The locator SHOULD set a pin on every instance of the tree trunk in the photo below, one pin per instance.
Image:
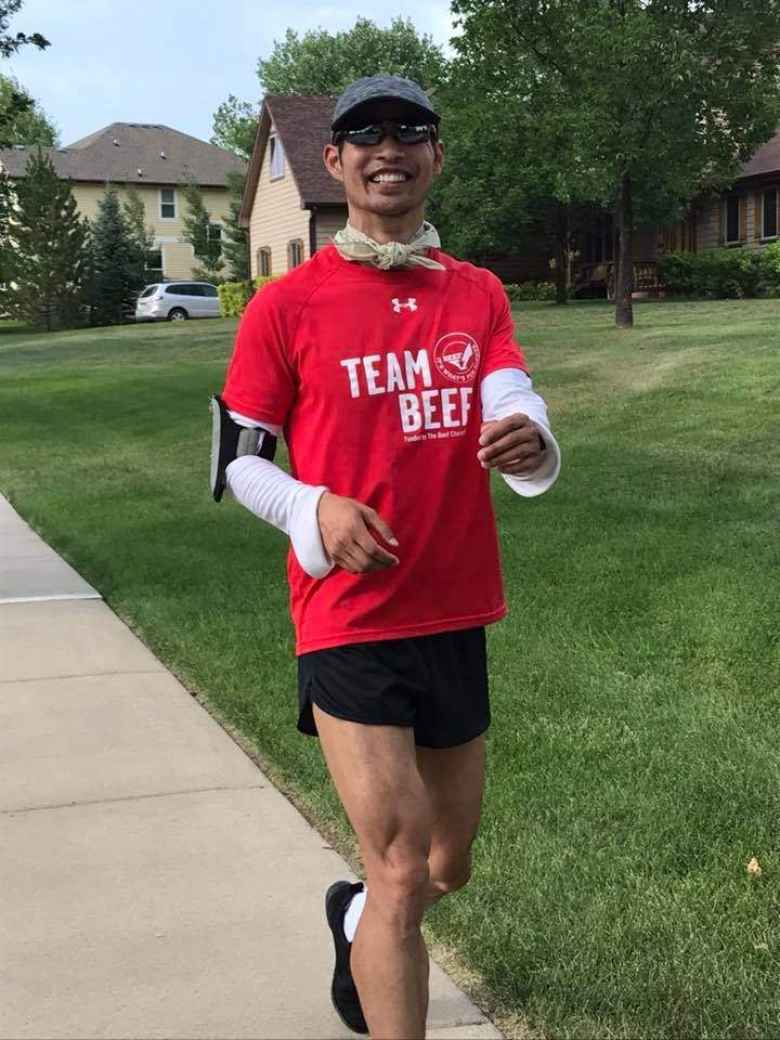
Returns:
(561, 255)
(624, 281)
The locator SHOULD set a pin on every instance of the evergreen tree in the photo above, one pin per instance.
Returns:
(43, 249)
(235, 241)
(203, 235)
(117, 277)
(141, 236)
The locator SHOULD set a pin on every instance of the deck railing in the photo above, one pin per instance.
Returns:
(646, 278)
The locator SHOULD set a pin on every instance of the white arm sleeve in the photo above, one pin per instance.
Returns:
(505, 392)
(273, 495)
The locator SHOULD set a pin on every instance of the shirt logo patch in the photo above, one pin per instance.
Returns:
(456, 356)
(400, 305)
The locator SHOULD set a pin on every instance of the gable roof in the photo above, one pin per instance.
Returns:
(303, 125)
(765, 160)
(119, 151)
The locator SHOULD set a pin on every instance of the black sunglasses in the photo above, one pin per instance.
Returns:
(404, 133)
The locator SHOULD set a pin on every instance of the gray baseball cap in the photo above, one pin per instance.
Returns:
(381, 88)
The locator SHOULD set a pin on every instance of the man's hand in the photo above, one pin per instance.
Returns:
(512, 445)
(344, 526)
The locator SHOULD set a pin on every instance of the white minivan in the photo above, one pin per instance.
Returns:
(177, 301)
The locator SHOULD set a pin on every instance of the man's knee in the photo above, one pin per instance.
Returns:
(399, 880)
(447, 878)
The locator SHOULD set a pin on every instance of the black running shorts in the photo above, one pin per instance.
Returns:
(436, 685)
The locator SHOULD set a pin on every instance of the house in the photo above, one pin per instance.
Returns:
(746, 214)
(291, 205)
(156, 160)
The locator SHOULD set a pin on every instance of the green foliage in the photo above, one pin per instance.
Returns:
(716, 273)
(235, 239)
(11, 42)
(320, 62)
(524, 291)
(141, 236)
(626, 99)
(43, 255)
(234, 296)
(22, 121)
(235, 126)
(200, 232)
(117, 262)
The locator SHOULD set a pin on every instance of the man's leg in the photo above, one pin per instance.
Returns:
(454, 779)
(375, 772)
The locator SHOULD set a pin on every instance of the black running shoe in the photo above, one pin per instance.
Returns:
(343, 991)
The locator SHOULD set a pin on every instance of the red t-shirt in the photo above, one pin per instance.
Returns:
(374, 377)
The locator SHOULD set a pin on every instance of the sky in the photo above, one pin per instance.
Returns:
(172, 62)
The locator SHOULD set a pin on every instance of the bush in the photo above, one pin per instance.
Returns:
(523, 291)
(234, 296)
(717, 273)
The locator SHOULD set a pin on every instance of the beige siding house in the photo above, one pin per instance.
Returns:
(158, 162)
(291, 205)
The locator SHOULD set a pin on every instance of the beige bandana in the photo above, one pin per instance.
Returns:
(354, 245)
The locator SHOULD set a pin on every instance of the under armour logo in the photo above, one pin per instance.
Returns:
(409, 305)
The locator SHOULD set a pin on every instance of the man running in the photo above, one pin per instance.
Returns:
(393, 372)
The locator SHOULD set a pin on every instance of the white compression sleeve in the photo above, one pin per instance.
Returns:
(509, 390)
(273, 495)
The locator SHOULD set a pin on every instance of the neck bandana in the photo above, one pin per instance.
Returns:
(354, 245)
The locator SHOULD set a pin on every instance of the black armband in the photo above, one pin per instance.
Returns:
(229, 441)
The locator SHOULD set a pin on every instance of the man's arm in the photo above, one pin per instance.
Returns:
(516, 438)
(325, 530)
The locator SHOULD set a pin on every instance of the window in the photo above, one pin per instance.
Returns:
(264, 261)
(168, 203)
(732, 219)
(182, 289)
(150, 290)
(209, 290)
(154, 265)
(769, 221)
(294, 253)
(277, 157)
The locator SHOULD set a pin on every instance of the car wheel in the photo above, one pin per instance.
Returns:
(177, 314)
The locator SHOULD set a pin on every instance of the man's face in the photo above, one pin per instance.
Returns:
(386, 179)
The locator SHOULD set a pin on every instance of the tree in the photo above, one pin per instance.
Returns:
(116, 276)
(655, 100)
(22, 121)
(235, 239)
(17, 109)
(320, 62)
(10, 44)
(141, 237)
(43, 254)
(235, 126)
(203, 235)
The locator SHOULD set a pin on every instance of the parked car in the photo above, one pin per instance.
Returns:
(177, 301)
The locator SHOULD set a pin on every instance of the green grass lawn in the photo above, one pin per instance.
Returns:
(635, 748)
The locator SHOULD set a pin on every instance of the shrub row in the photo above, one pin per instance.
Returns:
(518, 293)
(722, 273)
(234, 296)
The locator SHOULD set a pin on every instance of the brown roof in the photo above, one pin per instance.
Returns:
(119, 151)
(303, 124)
(765, 160)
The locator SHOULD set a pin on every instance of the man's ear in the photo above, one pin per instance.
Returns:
(438, 157)
(332, 160)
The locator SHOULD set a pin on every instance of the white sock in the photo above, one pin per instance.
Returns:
(352, 916)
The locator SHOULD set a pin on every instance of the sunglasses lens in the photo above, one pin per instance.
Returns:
(365, 135)
(412, 134)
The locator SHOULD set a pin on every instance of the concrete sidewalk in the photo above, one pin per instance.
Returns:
(153, 882)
